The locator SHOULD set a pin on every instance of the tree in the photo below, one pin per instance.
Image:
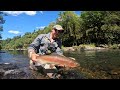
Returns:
(93, 21)
(99, 27)
(2, 21)
(111, 27)
(70, 22)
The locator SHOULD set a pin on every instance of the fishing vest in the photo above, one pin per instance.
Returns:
(46, 47)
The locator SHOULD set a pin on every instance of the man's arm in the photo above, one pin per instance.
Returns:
(31, 52)
(34, 48)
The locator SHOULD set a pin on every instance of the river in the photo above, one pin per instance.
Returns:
(99, 64)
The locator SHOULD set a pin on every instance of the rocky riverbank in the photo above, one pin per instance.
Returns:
(82, 47)
(91, 47)
(11, 71)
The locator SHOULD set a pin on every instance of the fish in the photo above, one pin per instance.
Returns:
(57, 60)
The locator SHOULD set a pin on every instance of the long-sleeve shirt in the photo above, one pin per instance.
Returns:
(42, 42)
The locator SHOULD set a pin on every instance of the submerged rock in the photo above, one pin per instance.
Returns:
(72, 74)
(11, 71)
(60, 73)
(14, 74)
(8, 66)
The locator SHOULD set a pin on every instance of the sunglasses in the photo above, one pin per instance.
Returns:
(59, 31)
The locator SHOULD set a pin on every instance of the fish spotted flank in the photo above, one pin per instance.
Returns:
(57, 60)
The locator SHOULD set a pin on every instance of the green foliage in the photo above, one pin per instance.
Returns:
(2, 21)
(98, 27)
(70, 22)
(19, 42)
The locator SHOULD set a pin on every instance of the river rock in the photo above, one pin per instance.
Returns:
(11, 71)
(8, 66)
(14, 74)
(72, 74)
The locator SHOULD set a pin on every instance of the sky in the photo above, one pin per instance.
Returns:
(19, 22)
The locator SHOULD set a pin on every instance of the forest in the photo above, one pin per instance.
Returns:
(89, 27)
(2, 21)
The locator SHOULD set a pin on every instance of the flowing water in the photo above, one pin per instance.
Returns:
(102, 64)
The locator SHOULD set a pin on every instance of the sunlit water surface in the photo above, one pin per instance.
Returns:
(104, 64)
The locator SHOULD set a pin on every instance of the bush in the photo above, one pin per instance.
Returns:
(114, 46)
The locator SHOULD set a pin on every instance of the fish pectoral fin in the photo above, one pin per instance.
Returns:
(72, 58)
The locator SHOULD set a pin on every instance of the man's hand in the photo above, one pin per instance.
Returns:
(34, 56)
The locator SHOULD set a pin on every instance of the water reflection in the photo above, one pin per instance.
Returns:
(93, 64)
(99, 64)
(15, 56)
(17, 52)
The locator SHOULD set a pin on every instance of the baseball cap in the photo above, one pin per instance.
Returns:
(58, 27)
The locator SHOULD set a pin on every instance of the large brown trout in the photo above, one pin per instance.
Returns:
(57, 60)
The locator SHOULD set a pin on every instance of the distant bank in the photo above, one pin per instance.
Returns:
(84, 47)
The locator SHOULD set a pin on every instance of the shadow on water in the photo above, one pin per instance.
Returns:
(103, 64)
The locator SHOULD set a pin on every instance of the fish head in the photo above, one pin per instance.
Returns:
(75, 64)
